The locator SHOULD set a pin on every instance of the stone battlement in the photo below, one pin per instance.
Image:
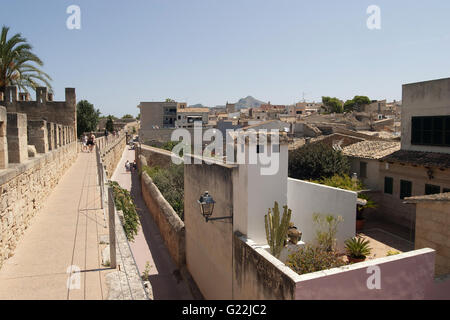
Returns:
(43, 108)
(30, 127)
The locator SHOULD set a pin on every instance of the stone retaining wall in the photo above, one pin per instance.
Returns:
(156, 157)
(258, 275)
(112, 154)
(169, 223)
(433, 231)
(24, 187)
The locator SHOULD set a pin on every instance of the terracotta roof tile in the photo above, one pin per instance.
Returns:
(372, 149)
(430, 197)
(426, 159)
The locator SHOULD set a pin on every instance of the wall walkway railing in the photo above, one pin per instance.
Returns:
(107, 204)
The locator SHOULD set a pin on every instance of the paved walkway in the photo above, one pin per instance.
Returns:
(65, 232)
(148, 245)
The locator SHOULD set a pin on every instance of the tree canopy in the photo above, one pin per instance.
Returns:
(87, 117)
(316, 161)
(19, 66)
(356, 102)
(333, 104)
(127, 116)
(109, 124)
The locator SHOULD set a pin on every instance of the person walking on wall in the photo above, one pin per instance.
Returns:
(91, 141)
(84, 140)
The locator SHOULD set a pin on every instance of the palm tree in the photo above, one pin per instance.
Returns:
(18, 65)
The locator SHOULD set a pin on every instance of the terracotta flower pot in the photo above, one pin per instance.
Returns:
(294, 235)
(355, 260)
(359, 224)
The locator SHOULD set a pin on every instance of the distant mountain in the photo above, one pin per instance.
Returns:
(248, 102)
(198, 105)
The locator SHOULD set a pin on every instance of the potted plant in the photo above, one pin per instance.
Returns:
(363, 203)
(357, 249)
(293, 234)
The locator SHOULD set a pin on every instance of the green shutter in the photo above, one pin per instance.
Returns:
(388, 185)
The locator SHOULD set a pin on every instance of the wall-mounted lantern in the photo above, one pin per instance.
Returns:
(207, 207)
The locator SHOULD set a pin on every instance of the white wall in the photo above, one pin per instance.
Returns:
(256, 193)
(306, 198)
(263, 191)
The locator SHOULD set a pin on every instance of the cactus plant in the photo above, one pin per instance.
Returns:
(276, 229)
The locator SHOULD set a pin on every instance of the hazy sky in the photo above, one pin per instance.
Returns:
(213, 51)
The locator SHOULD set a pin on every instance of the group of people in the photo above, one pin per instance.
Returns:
(88, 142)
(130, 166)
(114, 133)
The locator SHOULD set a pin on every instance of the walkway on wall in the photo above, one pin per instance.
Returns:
(64, 233)
(149, 245)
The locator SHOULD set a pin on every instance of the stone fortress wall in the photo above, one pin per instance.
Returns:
(37, 145)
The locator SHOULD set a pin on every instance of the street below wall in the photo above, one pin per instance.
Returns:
(148, 245)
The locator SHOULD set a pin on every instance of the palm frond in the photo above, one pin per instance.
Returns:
(19, 65)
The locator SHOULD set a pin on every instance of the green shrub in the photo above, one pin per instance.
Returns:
(342, 181)
(317, 161)
(326, 231)
(124, 202)
(312, 258)
(392, 253)
(170, 182)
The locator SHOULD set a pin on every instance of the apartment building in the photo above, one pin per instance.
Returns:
(157, 115)
(186, 117)
(422, 165)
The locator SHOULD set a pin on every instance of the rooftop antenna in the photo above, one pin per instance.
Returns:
(303, 95)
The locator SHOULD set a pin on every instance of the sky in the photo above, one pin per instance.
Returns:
(214, 51)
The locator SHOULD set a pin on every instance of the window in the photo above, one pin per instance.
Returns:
(434, 131)
(363, 169)
(432, 189)
(388, 185)
(405, 189)
(260, 148)
(445, 190)
(275, 148)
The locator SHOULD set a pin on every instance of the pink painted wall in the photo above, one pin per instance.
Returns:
(404, 276)
(439, 290)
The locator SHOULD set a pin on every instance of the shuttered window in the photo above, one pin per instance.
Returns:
(405, 189)
(432, 189)
(433, 131)
(388, 185)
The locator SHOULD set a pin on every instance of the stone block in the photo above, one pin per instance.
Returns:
(17, 137)
(31, 151)
(3, 139)
(38, 135)
(51, 135)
